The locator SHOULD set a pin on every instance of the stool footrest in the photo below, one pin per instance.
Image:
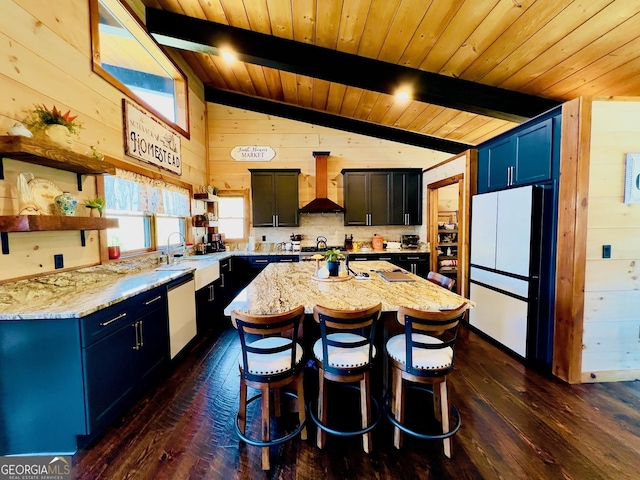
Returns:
(313, 408)
(260, 443)
(413, 433)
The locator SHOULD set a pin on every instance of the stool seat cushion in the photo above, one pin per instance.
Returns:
(271, 363)
(424, 359)
(344, 357)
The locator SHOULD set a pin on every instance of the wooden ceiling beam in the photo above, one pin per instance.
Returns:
(193, 34)
(280, 109)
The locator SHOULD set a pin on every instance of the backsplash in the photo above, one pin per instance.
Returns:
(331, 226)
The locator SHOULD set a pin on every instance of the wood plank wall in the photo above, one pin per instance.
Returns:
(611, 333)
(47, 50)
(294, 142)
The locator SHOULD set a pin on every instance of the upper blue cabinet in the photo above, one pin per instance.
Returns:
(525, 155)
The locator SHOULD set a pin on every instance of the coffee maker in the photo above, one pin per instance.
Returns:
(215, 243)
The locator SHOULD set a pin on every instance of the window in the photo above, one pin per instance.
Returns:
(233, 215)
(127, 57)
(148, 211)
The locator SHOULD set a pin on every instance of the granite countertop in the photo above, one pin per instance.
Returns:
(284, 286)
(77, 293)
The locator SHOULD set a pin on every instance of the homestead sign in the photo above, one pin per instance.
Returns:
(149, 140)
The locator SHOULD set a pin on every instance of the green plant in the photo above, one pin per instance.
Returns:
(334, 255)
(40, 116)
(95, 202)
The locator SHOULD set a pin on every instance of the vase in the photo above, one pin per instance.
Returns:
(333, 268)
(114, 252)
(66, 204)
(94, 212)
(57, 134)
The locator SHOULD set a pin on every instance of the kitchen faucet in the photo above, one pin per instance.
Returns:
(184, 246)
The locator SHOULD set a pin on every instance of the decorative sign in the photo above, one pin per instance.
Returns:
(150, 140)
(253, 154)
(632, 179)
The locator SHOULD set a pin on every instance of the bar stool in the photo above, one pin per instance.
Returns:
(424, 354)
(442, 280)
(269, 363)
(344, 353)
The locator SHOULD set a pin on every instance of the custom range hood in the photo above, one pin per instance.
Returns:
(321, 204)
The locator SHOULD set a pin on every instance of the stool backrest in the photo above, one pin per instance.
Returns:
(442, 280)
(442, 325)
(286, 324)
(361, 322)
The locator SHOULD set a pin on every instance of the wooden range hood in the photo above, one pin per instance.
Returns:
(321, 204)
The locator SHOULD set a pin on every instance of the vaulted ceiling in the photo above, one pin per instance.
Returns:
(476, 67)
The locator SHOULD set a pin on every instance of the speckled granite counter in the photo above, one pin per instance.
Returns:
(283, 286)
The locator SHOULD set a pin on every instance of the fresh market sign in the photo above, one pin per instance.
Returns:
(252, 154)
(149, 140)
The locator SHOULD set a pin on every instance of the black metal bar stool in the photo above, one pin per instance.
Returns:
(344, 353)
(272, 361)
(423, 354)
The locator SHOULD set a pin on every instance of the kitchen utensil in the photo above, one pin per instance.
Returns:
(321, 243)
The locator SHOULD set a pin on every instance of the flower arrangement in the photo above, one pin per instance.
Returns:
(334, 255)
(40, 117)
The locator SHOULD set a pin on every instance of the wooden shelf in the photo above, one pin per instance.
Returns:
(48, 223)
(46, 154)
(444, 230)
(40, 223)
(206, 197)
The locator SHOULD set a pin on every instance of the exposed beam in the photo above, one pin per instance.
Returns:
(294, 112)
(193, 34)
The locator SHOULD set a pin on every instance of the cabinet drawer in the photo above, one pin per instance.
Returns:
(102, 323)
(259, 261)
(412, 257)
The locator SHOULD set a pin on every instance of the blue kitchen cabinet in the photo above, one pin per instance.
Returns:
(64, 380)
(523, 156)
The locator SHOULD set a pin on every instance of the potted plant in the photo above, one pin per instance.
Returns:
(95, 204)
(52, 124)
(333, 257)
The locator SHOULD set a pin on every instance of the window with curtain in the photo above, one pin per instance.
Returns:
(148, 211)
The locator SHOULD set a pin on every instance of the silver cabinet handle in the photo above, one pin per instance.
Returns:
(286, 260)
(141, 337)
(388, 259)
(211, 293)
(222, 282)
(109, 322)
(149, 302)
(261, 260)
(135, 327)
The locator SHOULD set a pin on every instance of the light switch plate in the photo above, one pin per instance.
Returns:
(606, 251)
(58, 261)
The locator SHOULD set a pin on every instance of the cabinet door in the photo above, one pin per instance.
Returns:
(484, 221)
(406, 201)
(153, 345)
(502, 317)
(109, 376)
(262, 198)
(494, 161)
(379, 197)
(533, 153)
(356, 193)
(286, 198)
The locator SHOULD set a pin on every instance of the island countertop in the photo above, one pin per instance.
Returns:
(283, 286)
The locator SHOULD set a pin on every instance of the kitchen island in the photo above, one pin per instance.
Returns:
(283, 286)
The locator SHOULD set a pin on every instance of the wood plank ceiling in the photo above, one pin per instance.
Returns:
(550, 49)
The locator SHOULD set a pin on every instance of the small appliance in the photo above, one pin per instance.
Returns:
(410, 241)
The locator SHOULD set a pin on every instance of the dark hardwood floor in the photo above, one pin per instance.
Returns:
(516, 423)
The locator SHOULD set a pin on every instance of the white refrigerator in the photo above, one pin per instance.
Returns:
(507, 248)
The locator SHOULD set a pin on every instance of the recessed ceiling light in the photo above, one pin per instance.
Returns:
(228, 55)
(403, 95)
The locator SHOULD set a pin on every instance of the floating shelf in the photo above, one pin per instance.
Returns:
(42, 153)
(206, 197)
(46, 223)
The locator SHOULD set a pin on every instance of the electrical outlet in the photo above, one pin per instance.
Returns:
(264, 238)
(606, 251)
(58, 261)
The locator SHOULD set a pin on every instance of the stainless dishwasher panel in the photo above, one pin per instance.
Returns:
(182, 315)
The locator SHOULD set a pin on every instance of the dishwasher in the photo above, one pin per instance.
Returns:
(182, 313)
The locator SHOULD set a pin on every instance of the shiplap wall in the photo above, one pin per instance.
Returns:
(294, 142)
(46, 51)
(611, 340)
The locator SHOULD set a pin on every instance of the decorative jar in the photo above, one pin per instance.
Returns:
(66, 204)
